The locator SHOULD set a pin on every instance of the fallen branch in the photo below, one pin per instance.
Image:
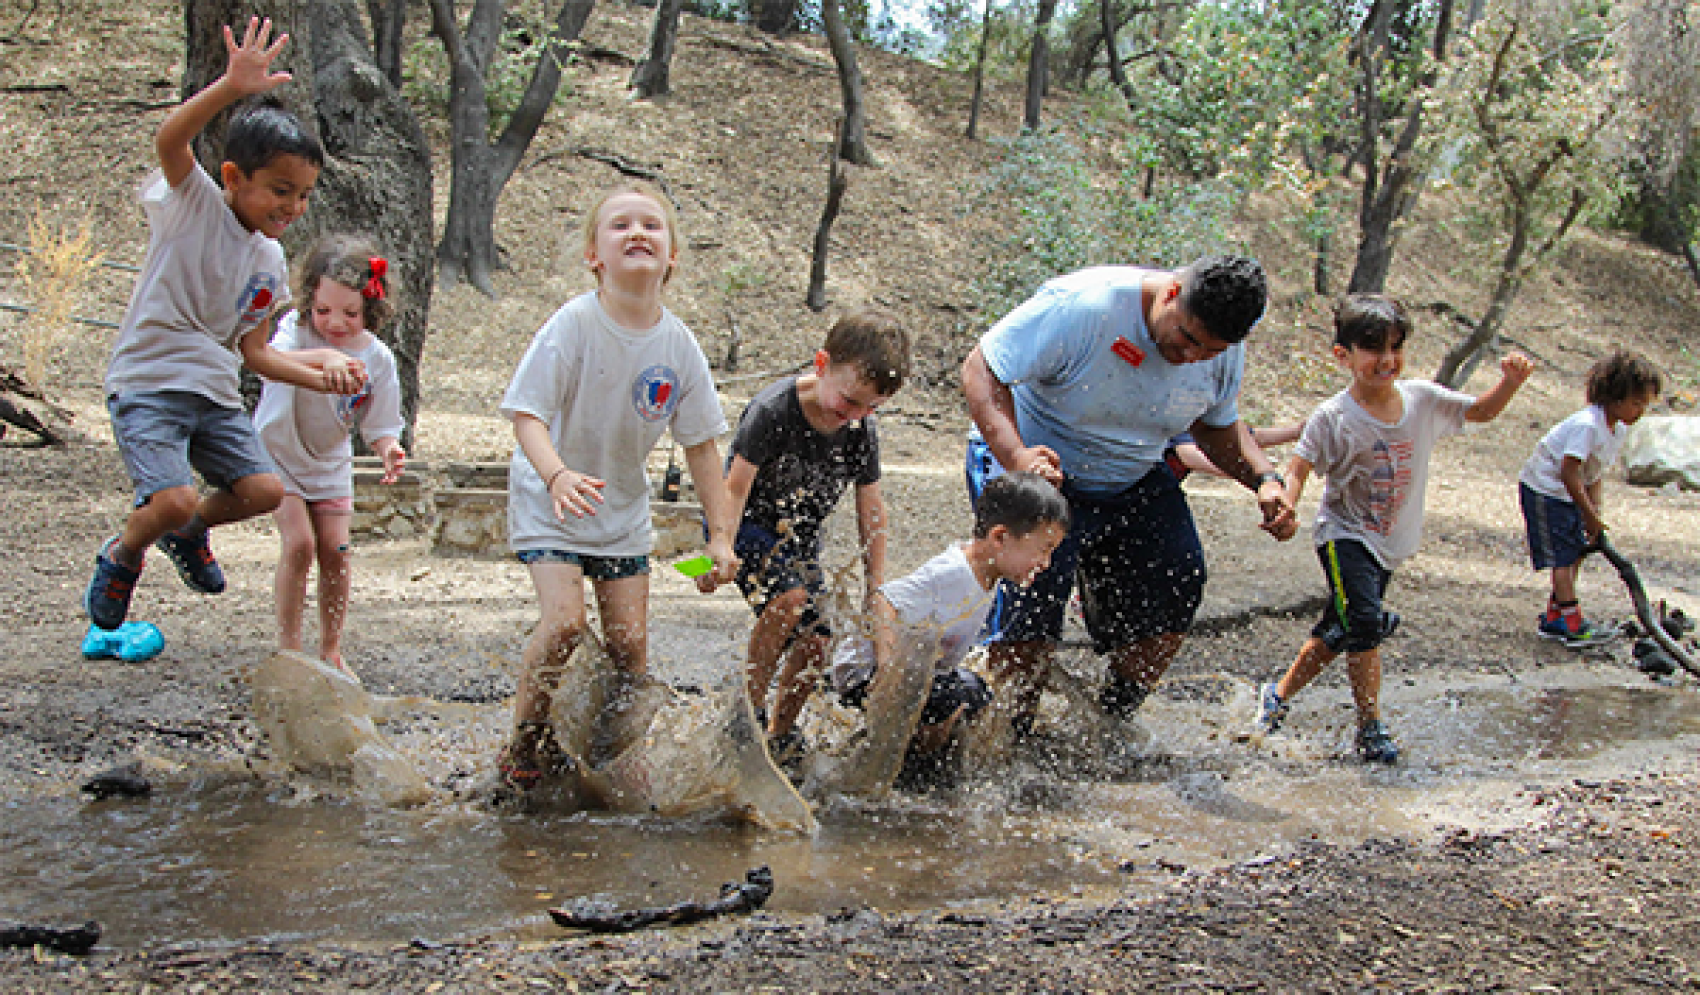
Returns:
(74, 940)
(734, 898)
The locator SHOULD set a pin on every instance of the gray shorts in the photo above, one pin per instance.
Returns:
(167, 436)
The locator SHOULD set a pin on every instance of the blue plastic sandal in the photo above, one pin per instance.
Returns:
(131, 642)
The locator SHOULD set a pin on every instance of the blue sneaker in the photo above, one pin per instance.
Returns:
(1375, 746)
(1271, 710)
(194, 560)
(107, 599)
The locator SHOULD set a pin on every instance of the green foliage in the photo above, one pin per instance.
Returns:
(525, 40)
(1067, 217)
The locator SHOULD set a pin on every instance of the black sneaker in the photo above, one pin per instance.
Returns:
(107, 599)
(1121, 697)
(194, 560)
(1375, 745)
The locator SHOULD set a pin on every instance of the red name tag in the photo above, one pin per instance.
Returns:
(1128, 351)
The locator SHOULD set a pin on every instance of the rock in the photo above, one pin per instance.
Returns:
(1664, 449)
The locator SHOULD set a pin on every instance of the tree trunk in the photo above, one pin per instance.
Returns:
(1389, 196)
(853, 136)
(1108, 22)
(388, 18)
(377, 177)
(205, 57)
(836, 184)
(649, 78)
(979, 73)
(1038, 65)
(1693, 262)
(479, 167)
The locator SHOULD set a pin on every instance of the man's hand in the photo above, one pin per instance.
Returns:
(1042, 460)
(1279, 520)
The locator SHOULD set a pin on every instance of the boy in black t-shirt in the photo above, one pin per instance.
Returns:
(799, 444)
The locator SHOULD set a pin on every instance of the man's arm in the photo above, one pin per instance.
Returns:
(1238, 455)
(992, 407)
(247, 72)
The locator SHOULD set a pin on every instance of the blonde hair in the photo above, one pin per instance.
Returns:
(352, 261)
(642, 188)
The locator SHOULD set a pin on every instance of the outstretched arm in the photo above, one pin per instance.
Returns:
(1514, 369)
(248, 72)
(328, 371)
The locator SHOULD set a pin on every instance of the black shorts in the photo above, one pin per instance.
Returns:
(951, 690)
(1354, 621)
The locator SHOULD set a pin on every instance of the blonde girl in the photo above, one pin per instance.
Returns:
(603, 378)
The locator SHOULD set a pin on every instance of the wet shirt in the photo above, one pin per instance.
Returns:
(942, 602)
(1375, 473)
(206, 282)
(1088, 380)
(606, 393)
(1586, 435)
(306, 432)
(800, 473)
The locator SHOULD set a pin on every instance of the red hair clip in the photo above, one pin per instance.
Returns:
(375, 286)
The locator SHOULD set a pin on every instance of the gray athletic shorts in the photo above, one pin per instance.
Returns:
(167, 436)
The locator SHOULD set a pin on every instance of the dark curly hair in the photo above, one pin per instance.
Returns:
(1621, 376)
(1227, 293)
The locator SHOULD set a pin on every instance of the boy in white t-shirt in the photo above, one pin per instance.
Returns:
(1371, 443)
(1560, 486)
(925, 624)
(211, 285)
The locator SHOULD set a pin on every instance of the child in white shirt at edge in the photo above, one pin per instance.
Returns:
(1371, 443)
(1560, 486)
(204, 305)
(603, 378)
(1018, 521)
(344, 287)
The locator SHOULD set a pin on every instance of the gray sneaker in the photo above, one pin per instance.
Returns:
(1375, 745)
(1271, 711)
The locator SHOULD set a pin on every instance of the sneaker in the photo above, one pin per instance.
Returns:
(107, 600)
(1375, 746)
(194, 560)
(1554, 628)
(1271, 710)
(1122, 697)
(1591, 634)
(1389, 623)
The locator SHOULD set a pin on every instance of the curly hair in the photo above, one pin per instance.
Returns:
(1621, 376)
(352, 261)
(1227, 293)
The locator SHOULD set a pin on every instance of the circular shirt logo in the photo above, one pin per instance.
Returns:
(655, 393)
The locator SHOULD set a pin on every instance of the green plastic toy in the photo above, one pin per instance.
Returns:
(696, 566)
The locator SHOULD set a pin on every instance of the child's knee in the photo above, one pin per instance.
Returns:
(260, 493)
(174, 506)
(788, 606)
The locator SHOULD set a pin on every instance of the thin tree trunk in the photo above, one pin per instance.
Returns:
(388, 18)
(1038, 65)
(853, 137)
(649, 78)
(1112, 53)
(836, 183)
(979, 72)
(1693, 263)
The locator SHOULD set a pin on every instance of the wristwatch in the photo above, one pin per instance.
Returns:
(1268, 475)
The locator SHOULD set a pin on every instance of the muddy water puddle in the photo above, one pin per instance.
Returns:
(221, 857)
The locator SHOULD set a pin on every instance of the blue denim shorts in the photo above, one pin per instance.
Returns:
(1554, 528)
(594, 567)
(167, 436)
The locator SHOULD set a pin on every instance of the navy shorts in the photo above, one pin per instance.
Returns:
(594, 567)
(1554, 528)
(951, 690)
(166, 437)
(1136, 555)
(769, 566)
(1354, 621)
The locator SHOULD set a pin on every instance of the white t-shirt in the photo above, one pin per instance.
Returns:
(306, 432)
(206, 282)
(1375, 474)
(606, 393)
(1586, 435)
(943, 599)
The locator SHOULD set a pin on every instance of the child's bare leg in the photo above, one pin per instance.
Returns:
(254, 495)
(1564, 583)
(1364, 669)
(803, 666)
(624, 607)
(1018, 672)
(1307, 666)
(165, 510)
(331, 526)
(768, 638)
(560, 598)
(295, 559)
